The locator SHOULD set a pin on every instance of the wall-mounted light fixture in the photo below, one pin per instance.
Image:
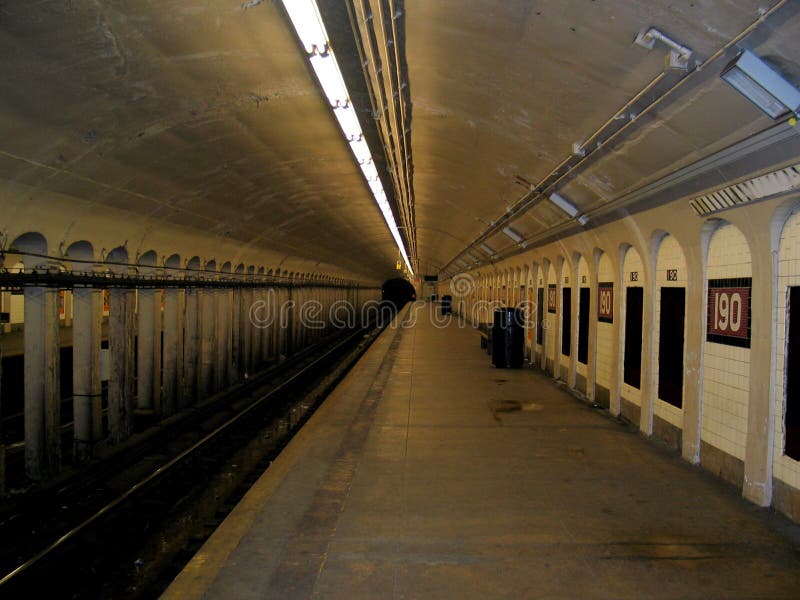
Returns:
(307, 22)
(564, 204)
(762, 85)
(486, 248)
(513, 235)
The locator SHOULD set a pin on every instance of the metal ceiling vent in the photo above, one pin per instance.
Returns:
(758, 188)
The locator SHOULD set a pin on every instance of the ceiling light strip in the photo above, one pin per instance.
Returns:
(307, 22)
(375, 33)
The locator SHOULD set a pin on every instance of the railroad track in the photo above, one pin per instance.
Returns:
(120, 531)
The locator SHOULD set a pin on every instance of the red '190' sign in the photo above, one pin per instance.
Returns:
(729, 312)
(605, 302)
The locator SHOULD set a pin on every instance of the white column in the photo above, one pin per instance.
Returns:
(265, 329)
(191, 345)
(173, 326)
(255, 332)
(208, 320)
(86, 385)
(42, 383)
(237, 325)
(148, 373)
(121, 400)
(222, 339)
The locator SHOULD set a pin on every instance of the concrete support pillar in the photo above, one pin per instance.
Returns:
(694, 346)
(615, 391)
(221, 370)
(291, 295)
(148, 367)
(172, 352)
(237, 323)
(191, 346)
(559, 316)
(208, 321)
(299, 329)
(546, 332)
(86, 383)
(575, 284)
(121, 400)
(275, 327)
(264, 329)
(758, 459)
(42, 383)
(648, 354)
(591, 367)
(246, 331)
(257, 331)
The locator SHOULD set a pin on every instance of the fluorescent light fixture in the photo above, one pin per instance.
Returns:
(473, 257)
(759, 83)
(462, 262)
(487, 249)
(307, 22)
(564, 204)
(513, 234)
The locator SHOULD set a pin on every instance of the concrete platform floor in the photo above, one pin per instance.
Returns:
(419, 479)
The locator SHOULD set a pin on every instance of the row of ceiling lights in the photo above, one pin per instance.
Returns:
(307, 22)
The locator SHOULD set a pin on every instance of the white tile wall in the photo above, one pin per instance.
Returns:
(633, 262)
(606, 359)
(670, 256)
(784, 468)
(583, 271)
(726, 369)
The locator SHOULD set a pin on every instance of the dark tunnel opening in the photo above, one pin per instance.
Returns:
(398, 291)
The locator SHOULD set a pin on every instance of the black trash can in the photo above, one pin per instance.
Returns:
(447, 305)
(508, 338)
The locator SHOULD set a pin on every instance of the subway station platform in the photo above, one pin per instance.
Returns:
(430, 474)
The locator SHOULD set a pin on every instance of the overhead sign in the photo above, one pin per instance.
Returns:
(605, 302)
(551, 298)
(728, 311)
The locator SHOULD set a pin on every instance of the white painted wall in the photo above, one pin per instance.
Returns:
(726, 369)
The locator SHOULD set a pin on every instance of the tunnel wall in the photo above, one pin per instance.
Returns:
(731, 417)
(150, 334)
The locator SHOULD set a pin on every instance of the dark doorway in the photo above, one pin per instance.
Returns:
(632, 366)
(583, 326)
(566, 321)
(398, 292)
(670, 345)
(539, 314)
(791, 367)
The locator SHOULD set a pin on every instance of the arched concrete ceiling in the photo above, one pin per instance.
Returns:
(502, 90)
(196, 113)
(205, 115)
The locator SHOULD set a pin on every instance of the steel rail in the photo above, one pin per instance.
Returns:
(168, 466)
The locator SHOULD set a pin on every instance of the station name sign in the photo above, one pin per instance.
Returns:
(605, 302)
(728, 312)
